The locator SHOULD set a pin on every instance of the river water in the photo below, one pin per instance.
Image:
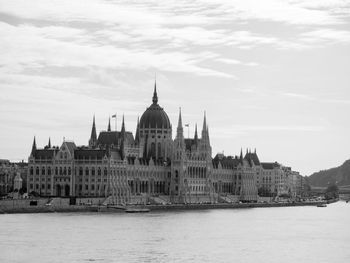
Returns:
(285, 234)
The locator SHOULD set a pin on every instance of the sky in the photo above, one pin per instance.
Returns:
(272, 75)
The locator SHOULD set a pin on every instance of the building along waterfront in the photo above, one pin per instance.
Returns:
(152, 167)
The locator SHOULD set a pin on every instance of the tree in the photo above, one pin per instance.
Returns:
(332, 192)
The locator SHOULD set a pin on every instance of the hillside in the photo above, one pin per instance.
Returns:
(340, 174)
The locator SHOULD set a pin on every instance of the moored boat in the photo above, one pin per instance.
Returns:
(137, 210)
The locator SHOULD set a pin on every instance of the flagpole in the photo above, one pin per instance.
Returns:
(115, 117)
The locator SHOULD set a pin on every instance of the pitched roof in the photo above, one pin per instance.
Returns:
(112, 137)
(83, 153)
(71, 146)
(108, 138)
(270, 166)
(45, 153)
(226, 161)
(252, 156)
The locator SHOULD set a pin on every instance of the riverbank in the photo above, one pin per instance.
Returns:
(110, 209)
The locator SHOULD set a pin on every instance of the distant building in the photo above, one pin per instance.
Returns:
(8, 172)
(148, 167)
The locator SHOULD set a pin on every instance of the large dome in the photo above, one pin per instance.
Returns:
(155, 116)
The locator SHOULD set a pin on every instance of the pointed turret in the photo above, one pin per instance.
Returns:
(241, 155)
(204, 124)
(109, 124)
(33, 146)
(93, 137)
(180, 129)
(49, 144)
(123, 127)
(196, 135)
(137, 134)
(155, 96)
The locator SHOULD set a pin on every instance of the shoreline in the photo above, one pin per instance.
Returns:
(122, 209)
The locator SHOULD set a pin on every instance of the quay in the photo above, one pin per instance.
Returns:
(14, 206)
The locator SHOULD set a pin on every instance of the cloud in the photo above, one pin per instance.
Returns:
(326, 36)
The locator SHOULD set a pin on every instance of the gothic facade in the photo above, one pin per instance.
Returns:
(150, 167)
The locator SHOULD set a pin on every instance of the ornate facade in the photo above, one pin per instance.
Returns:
(150, 167)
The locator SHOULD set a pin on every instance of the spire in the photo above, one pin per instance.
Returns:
(49, 144)
(179, 133)
(109, 124)
(137, 135)
(195, 135)
(179, 124)
(204, 123)
(93, 137)
(34, 146)
(241, 155)
(155, 96)
(123, 126)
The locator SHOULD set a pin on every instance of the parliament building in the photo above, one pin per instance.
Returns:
(148, 166)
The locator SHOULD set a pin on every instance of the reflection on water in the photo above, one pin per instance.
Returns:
(287, 234)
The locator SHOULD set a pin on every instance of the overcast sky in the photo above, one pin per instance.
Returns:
(272, 75)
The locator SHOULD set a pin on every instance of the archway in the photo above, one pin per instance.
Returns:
(58, 190)
(66, 190)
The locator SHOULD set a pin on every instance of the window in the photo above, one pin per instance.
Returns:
(48, 186)
(31, 171)
(37, 171)
(49, 171)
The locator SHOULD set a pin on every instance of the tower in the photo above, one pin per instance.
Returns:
(178, 182)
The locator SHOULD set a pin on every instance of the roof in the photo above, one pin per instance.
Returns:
(155, 116)
(112, 137)
(226, 162)
(45, 153)
(83, 153)
(108, 138)
(71, 146)
(270, 166)
(252, 156)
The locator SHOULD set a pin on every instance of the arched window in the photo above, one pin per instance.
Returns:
(105, 172)
(87, 171)
(49, 171)
(64, 171)
(31, 170)
(81, 171)
(37, 171)
(43, 170)
(69, 171)
(99, 171)
(61, 171)
(153, 149)
(93, 171)
(56, 170)
(159, 149)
